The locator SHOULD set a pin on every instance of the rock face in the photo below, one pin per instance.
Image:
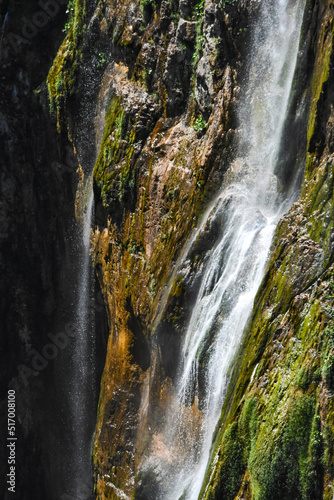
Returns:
(38, 184)
(146, 94)
(165, 80)
(37, 192)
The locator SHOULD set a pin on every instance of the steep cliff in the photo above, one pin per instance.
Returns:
(36, 199)
(38, 183)
(164, 79)
(147, 92)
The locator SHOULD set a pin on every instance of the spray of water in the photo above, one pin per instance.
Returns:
(247, 210)
(83, 382)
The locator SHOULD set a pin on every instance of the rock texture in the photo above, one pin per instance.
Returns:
(147, 92)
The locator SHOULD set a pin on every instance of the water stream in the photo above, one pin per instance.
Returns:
(83, 382)
(247, 210)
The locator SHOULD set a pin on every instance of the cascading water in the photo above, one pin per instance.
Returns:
(83, 378)
(247, 210)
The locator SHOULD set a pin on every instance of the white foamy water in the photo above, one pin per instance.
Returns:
(247, 209)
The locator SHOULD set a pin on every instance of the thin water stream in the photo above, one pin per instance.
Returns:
(247, 209)
(86, 356)
(83, 357)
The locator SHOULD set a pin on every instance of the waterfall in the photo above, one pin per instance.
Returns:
(247, 209)
(83, 357)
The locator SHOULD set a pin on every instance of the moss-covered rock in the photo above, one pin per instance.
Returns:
(62, 75)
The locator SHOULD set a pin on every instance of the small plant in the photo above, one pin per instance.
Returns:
(241, 30)
(199, 124)
(199, 42)
(198, 10)
(102, 59)
(67, 26)
(70, 7)
(70, 13)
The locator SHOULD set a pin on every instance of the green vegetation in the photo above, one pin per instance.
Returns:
(103, 59)
(328, 366)
(62, 75)
(70, 11)
(280, 468)
(198, 16)
(236, 446)
(199, 124)
(116, 178)
(320, 76)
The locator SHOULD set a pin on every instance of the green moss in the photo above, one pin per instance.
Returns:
(280, 467)
(177, 287)
(328, 372)
(231, 457)
(328, 448)
(281, 433)
(328, 347)
(306, 376)
(114, 170)
(248, 423)
(62, 75)
(312, 474)
(230, 466)
(320, 76)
